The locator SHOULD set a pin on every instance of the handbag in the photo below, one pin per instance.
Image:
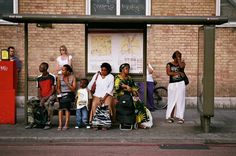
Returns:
(67, 98)
(186, 81)
(93, 88)
(102, 117)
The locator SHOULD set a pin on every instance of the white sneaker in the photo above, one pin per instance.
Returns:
(88, 127)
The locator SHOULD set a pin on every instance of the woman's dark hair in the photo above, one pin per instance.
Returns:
(107, 66)
(174, 54)
(123, 66)
(68, 68)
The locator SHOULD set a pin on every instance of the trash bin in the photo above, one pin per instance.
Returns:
(8, 80)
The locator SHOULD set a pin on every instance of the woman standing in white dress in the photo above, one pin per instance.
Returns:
(63, 59)
(176, 89)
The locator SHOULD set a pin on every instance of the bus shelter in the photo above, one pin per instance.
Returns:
(206, 43)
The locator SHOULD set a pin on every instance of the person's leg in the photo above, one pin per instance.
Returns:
(95, 103)
(109, 101)
(180, 101)
(60, 116)
(113, 109)
(66, 126)
(172, 98)
(78, 117)
(49, 108)
(141, 91)
(84, 116)
(150, 100)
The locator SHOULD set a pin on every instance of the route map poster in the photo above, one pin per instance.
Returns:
(115, 49)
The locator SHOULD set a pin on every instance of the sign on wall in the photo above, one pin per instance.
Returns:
(115, 49)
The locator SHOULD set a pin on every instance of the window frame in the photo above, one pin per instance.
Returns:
(148, 7)
(15, 11)
(229, 24)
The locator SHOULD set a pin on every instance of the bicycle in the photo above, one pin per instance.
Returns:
(160, 97)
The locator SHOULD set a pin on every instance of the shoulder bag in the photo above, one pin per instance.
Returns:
(93, 88)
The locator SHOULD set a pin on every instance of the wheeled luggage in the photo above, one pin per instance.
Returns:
(125, 112)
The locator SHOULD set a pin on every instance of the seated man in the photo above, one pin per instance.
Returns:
(46, 83)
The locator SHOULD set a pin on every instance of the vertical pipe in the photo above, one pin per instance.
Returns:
(26, 71)
(208, 76)
(145, 62)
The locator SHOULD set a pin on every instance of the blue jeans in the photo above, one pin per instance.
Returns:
(82, 116)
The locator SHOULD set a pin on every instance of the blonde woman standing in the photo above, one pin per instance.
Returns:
(63, 59)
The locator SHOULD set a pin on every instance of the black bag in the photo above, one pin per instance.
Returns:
(186, 81)
(125, 110)
(67, 98)
(40, 116)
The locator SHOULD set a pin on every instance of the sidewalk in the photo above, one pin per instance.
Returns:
(223, 130)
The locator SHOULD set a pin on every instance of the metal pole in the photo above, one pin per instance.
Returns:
(208, 77)
(26, 71)
(145, 62)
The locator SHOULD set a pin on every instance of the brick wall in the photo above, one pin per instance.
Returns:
(163, 40)
(225, 60)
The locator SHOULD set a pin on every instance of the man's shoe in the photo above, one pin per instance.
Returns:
(29, 126)
(47, 127)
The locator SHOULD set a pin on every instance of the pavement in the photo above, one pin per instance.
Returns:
(222, 131)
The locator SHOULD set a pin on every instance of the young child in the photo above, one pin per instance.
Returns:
(83, 98)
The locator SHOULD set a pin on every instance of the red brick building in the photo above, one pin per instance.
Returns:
(163, 40)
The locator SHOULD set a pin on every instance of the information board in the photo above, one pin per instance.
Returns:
(115, 49)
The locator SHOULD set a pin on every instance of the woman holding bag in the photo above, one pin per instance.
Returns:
(66, 87)
(176, 89)
(103, 94)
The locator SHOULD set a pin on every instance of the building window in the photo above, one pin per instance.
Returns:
(8, 7)
(227, 8)
(118, 7)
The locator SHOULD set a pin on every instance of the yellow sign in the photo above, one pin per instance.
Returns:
(5, 54)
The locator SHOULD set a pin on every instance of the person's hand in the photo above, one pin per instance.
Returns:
(181, 74)
(129, 89)
(101, 101)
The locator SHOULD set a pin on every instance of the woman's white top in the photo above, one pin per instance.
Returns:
(103, 85)
(61, 62)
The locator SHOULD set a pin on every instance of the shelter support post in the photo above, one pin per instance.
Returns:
(26, 71)
(206, 98)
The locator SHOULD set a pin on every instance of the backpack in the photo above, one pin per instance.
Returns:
(40, 116)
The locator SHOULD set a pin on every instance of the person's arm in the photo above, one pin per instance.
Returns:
(58, 67)
(117, 85)
(58, 85)
(149, 68)
(39, 94)
(91, 81)
(70, 61)
(181, 63)
(110, 85)
(72, 86)
(170, 73)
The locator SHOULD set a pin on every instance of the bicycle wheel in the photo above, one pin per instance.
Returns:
(160, 98)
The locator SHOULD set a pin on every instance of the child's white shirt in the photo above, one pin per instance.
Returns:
(83, 97)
